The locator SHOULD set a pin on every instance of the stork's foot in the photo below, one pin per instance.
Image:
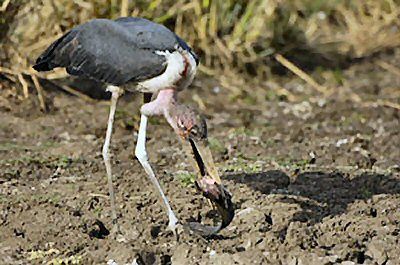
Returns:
(116, 228)
(117, 233)
(174, 226)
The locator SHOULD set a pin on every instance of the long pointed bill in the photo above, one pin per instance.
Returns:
(209, 181)
(204, 159)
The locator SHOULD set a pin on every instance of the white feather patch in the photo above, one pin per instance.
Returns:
(171, 76)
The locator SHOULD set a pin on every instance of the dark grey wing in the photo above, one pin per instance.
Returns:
(147, 34)
(114, 52)
(155, 36)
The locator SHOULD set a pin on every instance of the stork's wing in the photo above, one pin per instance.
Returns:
(114, 52)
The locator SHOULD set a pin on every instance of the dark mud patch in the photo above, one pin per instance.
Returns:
(312, 182)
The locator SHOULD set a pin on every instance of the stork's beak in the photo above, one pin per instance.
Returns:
(209, 181)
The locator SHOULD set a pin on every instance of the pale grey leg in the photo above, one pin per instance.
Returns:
(141, 154)
(115, 94)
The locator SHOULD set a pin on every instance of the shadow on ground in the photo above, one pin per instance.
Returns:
(326, 193)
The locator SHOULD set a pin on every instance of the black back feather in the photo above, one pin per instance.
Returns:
(114, 52)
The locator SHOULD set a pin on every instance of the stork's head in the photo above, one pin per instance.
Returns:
(190, 125)
(191, 128)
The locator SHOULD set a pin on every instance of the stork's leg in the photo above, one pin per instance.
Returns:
(115, 94)
(141, 154)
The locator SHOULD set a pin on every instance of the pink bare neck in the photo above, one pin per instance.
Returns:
(164, 104)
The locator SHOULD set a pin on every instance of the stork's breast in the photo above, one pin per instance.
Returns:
(169, 78)
(179, 73)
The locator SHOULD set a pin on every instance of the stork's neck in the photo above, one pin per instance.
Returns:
(165, 104)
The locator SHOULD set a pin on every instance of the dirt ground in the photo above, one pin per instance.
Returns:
(316, 181)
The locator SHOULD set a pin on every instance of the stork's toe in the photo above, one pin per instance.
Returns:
(175, 227)
(117, 233)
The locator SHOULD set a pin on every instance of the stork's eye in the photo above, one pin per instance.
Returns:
(181, 125)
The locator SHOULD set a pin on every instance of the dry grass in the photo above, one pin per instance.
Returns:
(234, 37)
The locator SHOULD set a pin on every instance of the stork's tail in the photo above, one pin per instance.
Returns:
(53, 56)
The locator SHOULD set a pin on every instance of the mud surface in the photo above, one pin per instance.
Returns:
(313, 181)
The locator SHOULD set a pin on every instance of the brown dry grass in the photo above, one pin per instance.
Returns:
(234, 37)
